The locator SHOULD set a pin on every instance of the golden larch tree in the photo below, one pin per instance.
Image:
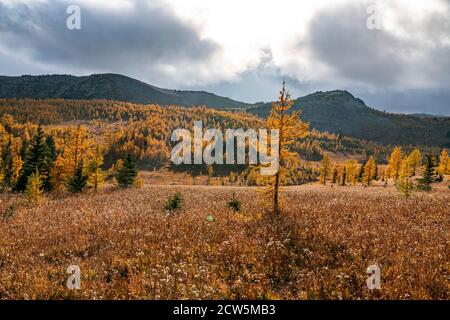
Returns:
(404, 183)
(444, 163)
(351, 169)
(395, 162)
(17, 164)
(325, 167)
(414, 160)
(34, 189)
(290, 129)
(369, 171)
(94, 169)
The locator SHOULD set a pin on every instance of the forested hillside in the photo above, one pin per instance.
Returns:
(145, 130)
(107, 86)
(338, 112)
(341, 113)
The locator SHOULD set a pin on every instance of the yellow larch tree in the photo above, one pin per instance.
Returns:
(414, 160)
(34, 190)
(290, 129)
(444, 163)
(325, 167)
(17, 164)
(94, 169)
(351, 169)
(395, 162)
(369, 171)
(404, 183)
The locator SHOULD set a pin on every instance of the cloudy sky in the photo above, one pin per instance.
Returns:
(243, 49)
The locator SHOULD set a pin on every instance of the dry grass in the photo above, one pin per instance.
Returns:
(128, 248)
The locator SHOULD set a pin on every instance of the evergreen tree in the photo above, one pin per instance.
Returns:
(23, 150)
(344, 176)
(37, 158)
(7, 165)
(50, 142)
(127, 174)
(335, 173)
(361, 171)
(78, 182)
(429, 173)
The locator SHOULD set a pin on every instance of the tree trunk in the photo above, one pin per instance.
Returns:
(276, 204)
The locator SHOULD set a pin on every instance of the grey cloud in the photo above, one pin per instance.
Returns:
(429, 101)
(341, 40)
(136, 42)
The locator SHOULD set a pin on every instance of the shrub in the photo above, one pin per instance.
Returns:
(234, 204)
(174, 202)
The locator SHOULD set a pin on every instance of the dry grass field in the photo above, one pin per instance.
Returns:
(127, 247)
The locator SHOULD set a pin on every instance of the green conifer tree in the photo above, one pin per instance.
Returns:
(429, 173)
(78, 182)
(127, 174)
(37, 158)
(7, 165)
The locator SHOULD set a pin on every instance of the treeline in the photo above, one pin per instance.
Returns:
(144, 130)
(60, 159)
(401, 167)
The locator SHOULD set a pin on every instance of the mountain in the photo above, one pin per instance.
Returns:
(334, 111)
(340, 112)
(107, 86)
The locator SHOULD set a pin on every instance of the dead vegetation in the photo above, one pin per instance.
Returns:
(128, 247)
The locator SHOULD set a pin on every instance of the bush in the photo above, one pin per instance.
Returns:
(235, 204)
(174, 202)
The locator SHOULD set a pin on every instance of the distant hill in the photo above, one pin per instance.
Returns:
(107, 86)
(340, 112)
(334, 111)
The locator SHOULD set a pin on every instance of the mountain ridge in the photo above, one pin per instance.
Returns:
(336, 111)
(340, 112)
(107, 86)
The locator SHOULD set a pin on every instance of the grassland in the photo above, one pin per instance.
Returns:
(127, 247)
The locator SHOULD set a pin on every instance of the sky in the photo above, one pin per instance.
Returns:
(393, 54)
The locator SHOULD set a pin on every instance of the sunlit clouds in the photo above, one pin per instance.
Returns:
(242, 48)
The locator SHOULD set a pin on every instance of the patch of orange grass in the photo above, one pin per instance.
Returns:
(128, 248)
